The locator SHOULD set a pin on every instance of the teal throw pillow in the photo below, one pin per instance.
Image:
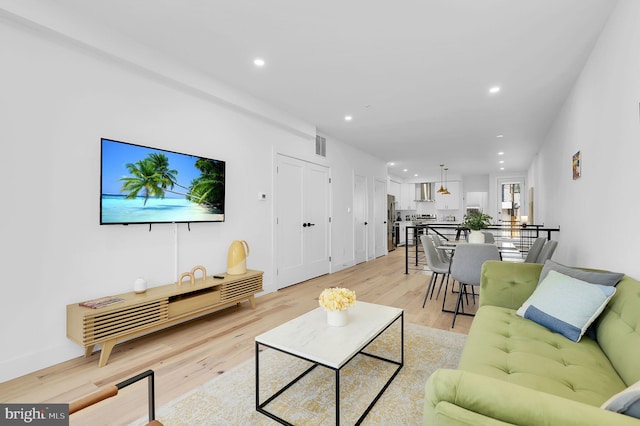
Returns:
(566, 305)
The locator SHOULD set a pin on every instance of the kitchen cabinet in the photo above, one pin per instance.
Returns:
(478, 200)
(450, 201)
(407, 196)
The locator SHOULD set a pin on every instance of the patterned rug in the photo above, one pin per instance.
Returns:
(230, 398)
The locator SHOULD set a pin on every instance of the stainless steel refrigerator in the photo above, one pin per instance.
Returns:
(391, 222)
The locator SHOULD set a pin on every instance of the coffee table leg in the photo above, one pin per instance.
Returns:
(257, 377)
(337, 397)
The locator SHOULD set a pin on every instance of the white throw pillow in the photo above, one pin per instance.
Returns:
(566, 305)
(626, 402)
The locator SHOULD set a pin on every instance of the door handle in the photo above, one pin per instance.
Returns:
(366, 223)
(311, 224)
(304, 225)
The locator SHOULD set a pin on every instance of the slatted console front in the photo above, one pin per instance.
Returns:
(157, 308)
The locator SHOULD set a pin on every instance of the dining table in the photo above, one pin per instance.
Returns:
(508, 250)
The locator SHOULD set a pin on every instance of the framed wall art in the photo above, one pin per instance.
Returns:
(577, 165)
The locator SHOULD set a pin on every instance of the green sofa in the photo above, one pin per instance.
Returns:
(514, 371)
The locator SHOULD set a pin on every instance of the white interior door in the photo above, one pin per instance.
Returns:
(380, 217)
(359, 219)
(316, 212)
(302, 233)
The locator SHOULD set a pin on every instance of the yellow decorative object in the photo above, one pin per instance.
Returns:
(337, 299)
(201, 268)
(186, 275)
(237, 257)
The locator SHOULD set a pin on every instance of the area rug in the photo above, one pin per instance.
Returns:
(229, 399)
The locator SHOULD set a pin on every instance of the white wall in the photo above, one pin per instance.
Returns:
(59, 97)
(347, 162)
(601, 120)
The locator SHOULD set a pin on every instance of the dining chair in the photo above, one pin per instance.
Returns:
(466, 267)
(442, 254)
(547, 251)
(488, 237)
(534, 250)
(437, 266)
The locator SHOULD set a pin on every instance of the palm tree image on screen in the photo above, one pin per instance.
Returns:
(237, 257)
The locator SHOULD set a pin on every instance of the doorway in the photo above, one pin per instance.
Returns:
(380, 217)
(511, 204)
(302, 220)
(359, 218)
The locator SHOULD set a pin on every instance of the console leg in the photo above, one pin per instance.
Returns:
(252, 300)
(88, 351)
(106, 351)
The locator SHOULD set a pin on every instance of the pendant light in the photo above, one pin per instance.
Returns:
(446, 190)
(442, 190)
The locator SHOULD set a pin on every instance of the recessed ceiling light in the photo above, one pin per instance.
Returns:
(391, 163)
(494, 90)
(258, 62)
(348, 118)
(501, 153)
(499, 136)
(405, 170)
(501, 168)
(415, 175)
(501, 161)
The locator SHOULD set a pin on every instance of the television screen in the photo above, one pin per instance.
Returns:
(148, 185)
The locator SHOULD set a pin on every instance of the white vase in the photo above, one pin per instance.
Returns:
(140, 285)
(476, 237)
(337, 318)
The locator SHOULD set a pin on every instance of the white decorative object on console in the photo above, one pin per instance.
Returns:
(140, 285)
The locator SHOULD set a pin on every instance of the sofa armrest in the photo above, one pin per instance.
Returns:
(500, 401)
(508, 284)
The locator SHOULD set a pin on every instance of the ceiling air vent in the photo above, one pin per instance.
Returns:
(321, 146)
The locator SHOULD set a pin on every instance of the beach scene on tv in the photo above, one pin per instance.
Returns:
(147, 185)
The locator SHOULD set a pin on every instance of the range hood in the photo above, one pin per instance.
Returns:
(424, 191)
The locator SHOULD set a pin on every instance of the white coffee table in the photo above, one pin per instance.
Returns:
(310, 338)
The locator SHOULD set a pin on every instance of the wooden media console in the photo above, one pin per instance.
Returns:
(157, 308)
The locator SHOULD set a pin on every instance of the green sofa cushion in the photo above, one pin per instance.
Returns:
(450, 396)
(513, 349)
(508, 284)
(618, 330)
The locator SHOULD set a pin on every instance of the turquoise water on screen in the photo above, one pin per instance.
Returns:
(117, 209)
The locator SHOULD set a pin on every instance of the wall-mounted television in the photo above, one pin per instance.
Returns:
(140, 184)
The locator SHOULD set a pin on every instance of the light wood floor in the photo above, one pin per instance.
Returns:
(191, 354)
